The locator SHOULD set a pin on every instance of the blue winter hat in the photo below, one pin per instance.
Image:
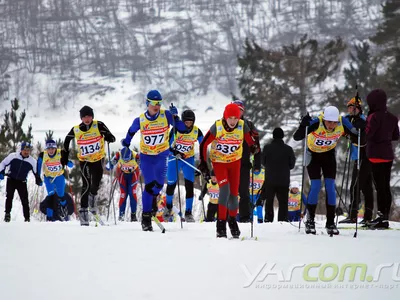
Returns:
(26, 145)
(51, 144)
(126, 154)
(154, 95)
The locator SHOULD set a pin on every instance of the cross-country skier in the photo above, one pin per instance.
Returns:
(212, 188)
(256, 191)
(226, 137)
(54, 180)
(294, 203)
(19, 164)
(153, 125)
(323, 134)
(128, 177)
(90, 136)
(356, 116)
(182, 143)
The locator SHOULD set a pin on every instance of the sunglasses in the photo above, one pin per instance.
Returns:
(154, 102)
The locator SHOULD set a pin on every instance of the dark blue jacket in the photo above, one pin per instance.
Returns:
(18, 166)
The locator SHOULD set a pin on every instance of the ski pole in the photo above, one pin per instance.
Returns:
(358, 181)
(111, 186)
(177, 170)
(252, 196)
(303, 173)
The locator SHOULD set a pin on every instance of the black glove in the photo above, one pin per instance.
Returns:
(64, 157)
(109, 138)
(254, 149)
(38, 181)
(203, 167)
(177, 152)
(305, 121)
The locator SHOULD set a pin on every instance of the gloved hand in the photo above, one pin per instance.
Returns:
(178, 153)
(254, 149)
(64, 158)
(70, 164)
(39, 181)
(305, 121)
(109, 138)
(1, 176)
(203, 167)
(124, 144)
(197, 173)
(173, 110)
(109, 166)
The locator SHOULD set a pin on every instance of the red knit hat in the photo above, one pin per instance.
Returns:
(231, 110)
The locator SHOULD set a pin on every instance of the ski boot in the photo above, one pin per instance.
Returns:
(146, 222)
(221, 229)
(310, 226)
(121, 217)
(381, 222)
(7, 217)
(28, 219)
(330, 220)
(84, 216)
(189, 217)
(234, 228)
(62, 210)
(331, 229)
(348, 220)
(133, 217)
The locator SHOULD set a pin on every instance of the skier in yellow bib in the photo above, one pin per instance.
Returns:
(90, 136)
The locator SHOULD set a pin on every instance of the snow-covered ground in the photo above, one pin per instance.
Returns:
(65, 261)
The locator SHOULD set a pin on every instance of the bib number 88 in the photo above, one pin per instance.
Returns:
(319, 142)
(227, 149)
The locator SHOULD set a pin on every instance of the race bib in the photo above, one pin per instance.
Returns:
(89, 149)
(226, 149)
(324, 142)
(153, 139)
(54, 168)
(183, 148)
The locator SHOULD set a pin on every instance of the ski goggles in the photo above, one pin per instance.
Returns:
(51, 146)
(154, 102)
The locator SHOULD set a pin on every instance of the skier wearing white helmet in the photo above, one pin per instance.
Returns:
(323, 134)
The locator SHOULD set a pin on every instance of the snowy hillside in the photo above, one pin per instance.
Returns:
(65, 261)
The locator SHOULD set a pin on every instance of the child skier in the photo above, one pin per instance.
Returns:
(19, 165)
(128, 176)
(294, 203)
(54, 180)
(90, 136)
(322, 136)
(257, 178)
(154, 148)
(182, 143)
(212, 188)
(226, 137)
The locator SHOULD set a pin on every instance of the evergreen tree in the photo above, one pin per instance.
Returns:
(11, 131)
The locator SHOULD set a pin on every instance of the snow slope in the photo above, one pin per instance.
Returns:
(66, 261)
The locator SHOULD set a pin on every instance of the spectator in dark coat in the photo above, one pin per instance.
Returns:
(278, 159)
(382, 128)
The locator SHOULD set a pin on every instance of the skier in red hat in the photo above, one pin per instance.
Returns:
(226, 137)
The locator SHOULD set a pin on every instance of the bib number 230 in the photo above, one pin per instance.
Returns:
(227, 149)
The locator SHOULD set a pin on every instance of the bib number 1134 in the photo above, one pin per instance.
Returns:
(89, 149)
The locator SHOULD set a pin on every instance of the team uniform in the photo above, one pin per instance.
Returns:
(225, 154)
(128, 177)
(54, 180)
(90, 140)
(321, 144)
(19, 165)
(154, 150)
(182, 143)
(255, 190)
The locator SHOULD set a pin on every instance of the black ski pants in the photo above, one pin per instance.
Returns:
(91, 173)
(20, 186)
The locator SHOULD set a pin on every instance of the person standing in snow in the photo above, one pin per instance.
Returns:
(226, 137)
(323, 134)
(182, 143)
(154, 149)
(364, 178)
(19, 165)
(294, 203)
(212, 188)
(255, 189)
(245, 211)
(278, 159)
(382, 128)
(90, 136)
(54, 180)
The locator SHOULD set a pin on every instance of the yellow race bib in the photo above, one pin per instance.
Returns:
(52, 165)
(294, 202)
(184, 142)
(213, 192)
(154, 134)
(227, 146)
(90, 143)
(258, 182)
(127, 166)
(322, 140)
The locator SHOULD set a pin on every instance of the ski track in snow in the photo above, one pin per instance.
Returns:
(66, 261)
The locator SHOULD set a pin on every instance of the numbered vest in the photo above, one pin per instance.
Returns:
(321, 140)
(127, 167)
(154, 134)
(227, 146)
(90, 143)
(184, 142)
(294, 201)
(52, 165)
(213, 192)
(258, 182)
